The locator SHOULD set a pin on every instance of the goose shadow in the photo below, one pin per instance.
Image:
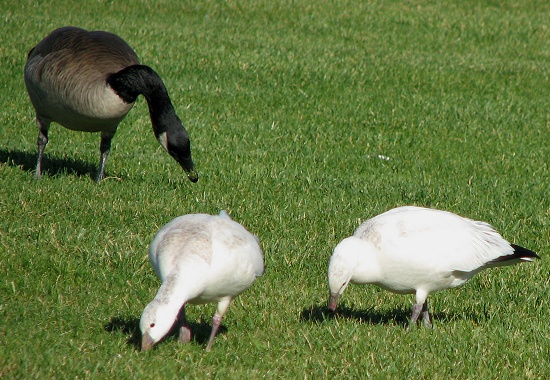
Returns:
(395, 316)
(26, 161)
(130, 327)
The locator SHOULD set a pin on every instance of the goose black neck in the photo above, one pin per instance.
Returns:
(136, 80)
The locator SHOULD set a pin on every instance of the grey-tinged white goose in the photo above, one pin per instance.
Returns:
(418, 250)
(88, 81)
(200, 259)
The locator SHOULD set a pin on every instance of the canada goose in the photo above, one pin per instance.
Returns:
(418, 250)
(200, 259)
(88, 81)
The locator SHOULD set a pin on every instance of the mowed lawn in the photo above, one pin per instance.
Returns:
(306, 117)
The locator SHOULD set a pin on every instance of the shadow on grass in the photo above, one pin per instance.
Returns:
(322, 313)
(130, 326)
(396, 316)
(26, 161)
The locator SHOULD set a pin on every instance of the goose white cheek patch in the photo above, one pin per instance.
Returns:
(163, 140)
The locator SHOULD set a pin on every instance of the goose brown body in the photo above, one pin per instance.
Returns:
(80, 80)
(65, 77)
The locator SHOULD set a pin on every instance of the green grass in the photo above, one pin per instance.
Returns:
(291, 107)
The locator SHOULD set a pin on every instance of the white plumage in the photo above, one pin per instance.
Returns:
(200, 259)
(418, 250)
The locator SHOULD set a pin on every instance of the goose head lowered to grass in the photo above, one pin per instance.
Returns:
(200, 259)
(88, 81)
(418, 250)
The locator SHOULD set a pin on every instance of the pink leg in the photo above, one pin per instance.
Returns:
(185, 335)
(185, 332)
(426, 315)
(217, 320)
(416, 310)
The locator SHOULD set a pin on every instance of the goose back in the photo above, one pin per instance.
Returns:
(434, 239)
(65, 75)
(214, 251)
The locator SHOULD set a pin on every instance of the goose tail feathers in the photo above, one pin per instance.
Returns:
(519, 254)
(224, 214)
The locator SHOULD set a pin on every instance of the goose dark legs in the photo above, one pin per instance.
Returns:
(104, 148)
(416, 310)
(41, 142)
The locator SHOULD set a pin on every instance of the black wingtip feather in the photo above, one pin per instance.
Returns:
(520, 252)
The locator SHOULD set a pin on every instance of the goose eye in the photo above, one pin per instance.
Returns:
(152, 325)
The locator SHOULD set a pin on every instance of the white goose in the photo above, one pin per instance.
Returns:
(89, 81)
(200, 259)
(418, 250)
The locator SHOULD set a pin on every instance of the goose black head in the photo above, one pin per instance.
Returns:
(177, 144)
(134, 80)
